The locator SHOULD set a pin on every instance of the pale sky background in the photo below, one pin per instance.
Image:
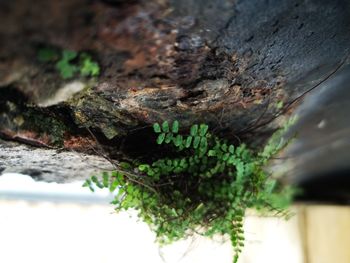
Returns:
(49, 222)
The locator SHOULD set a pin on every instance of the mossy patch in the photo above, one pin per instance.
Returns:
(43, 124)
(16, 117)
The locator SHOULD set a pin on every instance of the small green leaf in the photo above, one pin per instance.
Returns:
(97, 182)
(105, 180)
(224, 147)
(225, 156)
(279, 105)
(240, 170)
(168, 138)
(231, 160)
(270, 185)
(150, 173)
(143, 167)
(165, 126)
(194, 130)
(188, 141)
(130, 189)
(120, 178)
(125, 165)
(156, 128)
(182, 146)
(231, 149)
(211, 153)
(175, 128)
(196, 142)
(66, 69)
(161, 138)
(240, 149)
(69, 55)
(94, 179)
(203, 129)
(88, 67)
(113, 186)
(87, 183)
(199, 207)
(183, 163)
(178, 140)
(204, 143)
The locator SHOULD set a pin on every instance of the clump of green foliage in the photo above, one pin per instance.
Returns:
(69, 62)
(203, 186)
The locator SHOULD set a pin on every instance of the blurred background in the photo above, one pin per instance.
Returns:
(49, 222)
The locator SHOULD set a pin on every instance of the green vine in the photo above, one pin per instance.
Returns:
(204, 186)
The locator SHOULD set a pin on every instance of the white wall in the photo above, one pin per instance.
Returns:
(69, 231)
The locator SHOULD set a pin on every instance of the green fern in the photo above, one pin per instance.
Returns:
(69, 63)
(65, 66)
(88, 67)
(205, 187)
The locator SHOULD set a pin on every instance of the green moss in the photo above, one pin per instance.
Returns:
(18, 118)
(43, 124)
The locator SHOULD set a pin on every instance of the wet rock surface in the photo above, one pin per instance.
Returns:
(156, 56)
(227, 63)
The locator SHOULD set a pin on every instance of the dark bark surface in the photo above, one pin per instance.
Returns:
(226, 63)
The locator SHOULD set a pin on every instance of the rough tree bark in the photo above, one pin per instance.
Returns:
(228, 63)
